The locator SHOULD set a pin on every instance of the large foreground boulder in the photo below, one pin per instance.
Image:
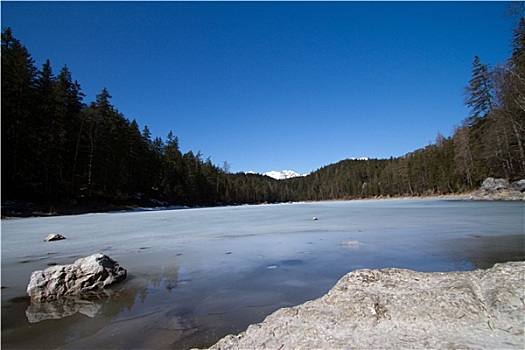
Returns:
(394, 308)
(85, 276)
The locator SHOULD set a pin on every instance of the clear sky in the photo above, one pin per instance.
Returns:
(274, 85)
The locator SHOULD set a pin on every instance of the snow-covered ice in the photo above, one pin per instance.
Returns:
(196, 275)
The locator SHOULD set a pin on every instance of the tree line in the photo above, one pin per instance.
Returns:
(57, 148)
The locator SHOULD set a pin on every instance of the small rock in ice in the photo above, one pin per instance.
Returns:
(352, 243)
(54, 237)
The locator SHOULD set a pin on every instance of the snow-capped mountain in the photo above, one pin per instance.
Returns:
(282, 175)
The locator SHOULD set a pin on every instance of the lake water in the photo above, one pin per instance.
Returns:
(195, 275)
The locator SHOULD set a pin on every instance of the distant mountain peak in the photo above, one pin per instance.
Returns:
(283, 175)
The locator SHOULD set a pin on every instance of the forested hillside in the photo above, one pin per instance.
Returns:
(57, 148)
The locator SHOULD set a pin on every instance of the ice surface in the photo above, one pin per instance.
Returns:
(196, 275)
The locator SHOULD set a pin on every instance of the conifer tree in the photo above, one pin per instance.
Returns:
(18, 84)
(518, 46)
(69, 106)
(98, 130)
(50, 129)
(479, 92)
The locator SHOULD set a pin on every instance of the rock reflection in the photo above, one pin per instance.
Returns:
(37, 312)
(110, 302)
(89, 305)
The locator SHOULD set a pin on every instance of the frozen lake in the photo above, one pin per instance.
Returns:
(195, 275)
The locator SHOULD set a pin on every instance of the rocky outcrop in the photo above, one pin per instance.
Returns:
(491, 184)
(500, 189)
(394, 308)
(85, 276)
(519, 185)
(54, 237)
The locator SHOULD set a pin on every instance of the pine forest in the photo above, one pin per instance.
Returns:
(59, 150)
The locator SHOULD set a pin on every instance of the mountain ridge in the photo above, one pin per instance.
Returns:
(283, 175)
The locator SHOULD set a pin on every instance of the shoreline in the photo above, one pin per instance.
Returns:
(491, 190)
(25, 209)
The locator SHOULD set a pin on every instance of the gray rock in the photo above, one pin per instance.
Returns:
(519, 185)
(500, 189)
(53, 237)
(85, 276)
(491, 184)
(394, 308)
(351, 243)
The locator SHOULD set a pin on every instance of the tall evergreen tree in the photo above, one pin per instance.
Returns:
(173, 172)
(479, 92)
(50, 131)
(18, 84)
(69, 107)
(97, 131)
(518, 46)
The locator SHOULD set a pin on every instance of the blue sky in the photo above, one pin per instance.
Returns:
(274, 85)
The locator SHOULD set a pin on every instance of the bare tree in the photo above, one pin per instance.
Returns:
(463, 154)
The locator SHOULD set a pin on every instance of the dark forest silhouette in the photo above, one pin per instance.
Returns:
(58, 149)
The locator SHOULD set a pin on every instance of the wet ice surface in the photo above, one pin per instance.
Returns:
(195, 275)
